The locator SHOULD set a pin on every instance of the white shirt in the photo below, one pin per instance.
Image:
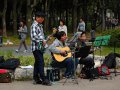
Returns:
(63, 28)
(81, 26)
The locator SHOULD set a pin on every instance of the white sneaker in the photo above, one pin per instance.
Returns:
(25, 51)
(17, 50)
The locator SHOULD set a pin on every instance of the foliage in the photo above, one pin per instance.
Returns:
(115, 37)
(88, 26)
(47, 60)
(26, 60)
(7, 54)
(12, 11)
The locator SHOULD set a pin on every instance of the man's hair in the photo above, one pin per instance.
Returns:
(82, 34)
(39, 14)
(60, 34)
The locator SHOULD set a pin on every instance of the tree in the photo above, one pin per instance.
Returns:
(30, 7)
(74, 17)
(4, 18)
(15, 16)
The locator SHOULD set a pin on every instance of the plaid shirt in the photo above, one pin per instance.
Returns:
(37, 35)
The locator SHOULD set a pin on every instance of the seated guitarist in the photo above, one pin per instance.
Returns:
(67, 61)
(87, 61)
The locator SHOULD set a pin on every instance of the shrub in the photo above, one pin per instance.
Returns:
(26, 60)
(115, 37)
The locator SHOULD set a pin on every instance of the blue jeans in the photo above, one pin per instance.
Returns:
(38, 65)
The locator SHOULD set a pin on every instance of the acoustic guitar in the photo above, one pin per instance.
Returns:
(60, 57)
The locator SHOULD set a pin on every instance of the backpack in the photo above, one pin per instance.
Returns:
(5, 76)
(11, 63)
(103, 70)
(110, 61)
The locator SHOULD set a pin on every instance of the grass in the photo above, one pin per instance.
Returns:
(105, 50)
(24, 60)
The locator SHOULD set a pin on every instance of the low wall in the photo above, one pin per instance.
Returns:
(24, 73)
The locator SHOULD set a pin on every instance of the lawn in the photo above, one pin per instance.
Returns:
(105, 50)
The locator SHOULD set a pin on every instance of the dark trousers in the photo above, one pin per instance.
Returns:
(38, 65)
(88, 62)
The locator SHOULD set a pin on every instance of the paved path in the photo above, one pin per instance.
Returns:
(13, 48)
(84, 84)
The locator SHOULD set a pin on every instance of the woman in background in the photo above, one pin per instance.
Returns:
(23, 34)
(62, 26)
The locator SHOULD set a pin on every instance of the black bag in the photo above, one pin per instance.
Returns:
(11, 63)
(5, 76)
(110, 61)
(2, 59)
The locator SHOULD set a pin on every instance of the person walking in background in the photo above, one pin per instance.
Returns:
(81, 26)
(37, 36)
(62, 26)
(22, 35)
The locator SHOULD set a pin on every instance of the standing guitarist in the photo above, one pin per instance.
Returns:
(60, 59)
(37, 35)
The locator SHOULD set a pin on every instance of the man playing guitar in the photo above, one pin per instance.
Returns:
(82, 52)
(37, 35)
(62, 57)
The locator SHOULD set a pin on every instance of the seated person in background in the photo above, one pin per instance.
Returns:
(87, 61)
(67, 61)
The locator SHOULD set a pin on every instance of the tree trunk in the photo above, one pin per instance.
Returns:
(74, 15)
(4, 19)
(15, 17)
(103, 15)
(67, 18)
(85, 13)
(46, 26)
(19, 13)
(30, 8)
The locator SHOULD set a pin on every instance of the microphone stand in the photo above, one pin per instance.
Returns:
(102, 72)
(74, 70)
(114, 57)
(92, 75)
